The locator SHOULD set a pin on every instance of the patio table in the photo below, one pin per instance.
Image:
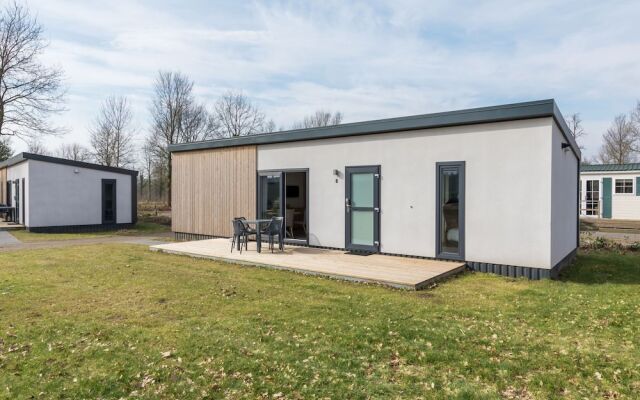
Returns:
(258, 223)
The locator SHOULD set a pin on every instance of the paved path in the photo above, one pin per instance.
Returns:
(144, 240)
(6, 239)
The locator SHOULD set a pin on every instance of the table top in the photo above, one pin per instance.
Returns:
(256, 221)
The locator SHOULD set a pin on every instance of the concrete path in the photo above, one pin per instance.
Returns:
(143, 240)
(6, 239)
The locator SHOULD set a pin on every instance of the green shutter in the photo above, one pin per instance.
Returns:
(606, 197)
(637, 185)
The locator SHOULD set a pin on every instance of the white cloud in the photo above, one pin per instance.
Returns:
(367, 59)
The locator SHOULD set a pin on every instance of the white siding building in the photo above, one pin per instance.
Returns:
(50, 194)
(610, 191)
(496, 187)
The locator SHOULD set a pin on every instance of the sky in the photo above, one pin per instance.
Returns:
(367, 59)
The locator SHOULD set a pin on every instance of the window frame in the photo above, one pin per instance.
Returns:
(624, 186)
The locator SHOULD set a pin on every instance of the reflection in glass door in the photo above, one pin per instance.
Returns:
(450, 210)
(362, 209)
(270, 195)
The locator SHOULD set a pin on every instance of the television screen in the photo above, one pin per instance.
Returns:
(293, 191)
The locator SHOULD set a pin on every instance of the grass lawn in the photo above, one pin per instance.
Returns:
(140, 228)
(115, 321)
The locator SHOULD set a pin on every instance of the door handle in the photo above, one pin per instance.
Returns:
(347, 203)
(376, 209)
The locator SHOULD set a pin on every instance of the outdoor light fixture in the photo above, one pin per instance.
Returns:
(336, 172)
(565, 146)
(76, 171)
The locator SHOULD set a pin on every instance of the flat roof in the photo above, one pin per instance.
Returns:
(610, 167)
(22, 157)
(500, 113)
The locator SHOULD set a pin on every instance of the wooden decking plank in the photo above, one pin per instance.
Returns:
(412, 273)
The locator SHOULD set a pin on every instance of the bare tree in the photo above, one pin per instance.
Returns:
(74, 151)
(269, 126)
(574, 121)
(619, 142)
(147, 168)
(319, 119)
(234, 115)
(35, 146)
(634, 116)
(29, 91)
(176, 118)
(112, 135)
(6, 151)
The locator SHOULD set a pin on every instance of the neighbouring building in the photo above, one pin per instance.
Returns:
(610, 191)
(496, 187)
(50, 194)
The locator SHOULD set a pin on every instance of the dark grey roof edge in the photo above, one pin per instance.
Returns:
(17, 159)
(629, 167)
(21, 157)
(506, 112)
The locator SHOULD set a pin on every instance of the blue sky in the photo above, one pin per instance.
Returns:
(369, 59)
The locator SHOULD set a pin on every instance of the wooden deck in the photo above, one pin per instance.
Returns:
(400, 272)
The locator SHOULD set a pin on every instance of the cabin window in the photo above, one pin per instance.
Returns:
(624, 186)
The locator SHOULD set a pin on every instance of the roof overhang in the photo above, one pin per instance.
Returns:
(600, 169)
(483, 115)
(22, 157)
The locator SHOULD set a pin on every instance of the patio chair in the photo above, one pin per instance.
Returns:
(275, 229)
(250, 230)
(240, 235)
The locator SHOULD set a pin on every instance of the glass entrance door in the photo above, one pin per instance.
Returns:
(362, 209)
(592, 197)
(16, 215)
(270, 195)
(450, 210)
(108, 201)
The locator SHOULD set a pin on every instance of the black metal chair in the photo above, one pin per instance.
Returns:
(275, 229)
(250, 230)
(240, 235)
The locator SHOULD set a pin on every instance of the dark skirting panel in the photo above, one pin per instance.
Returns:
(79, 228)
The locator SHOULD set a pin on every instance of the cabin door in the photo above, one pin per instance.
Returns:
(362, 209)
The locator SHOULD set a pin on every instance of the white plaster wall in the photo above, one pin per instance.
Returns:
(60, 197)
(20, 171)
(623, 206)
(508, 187)
(564, 198)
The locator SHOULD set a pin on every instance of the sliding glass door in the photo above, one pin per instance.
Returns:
(450, 210)
(270, 195)
(285, 194)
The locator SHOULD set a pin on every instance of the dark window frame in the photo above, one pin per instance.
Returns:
(461, 210)
(377, 207)
(115, 201)
(283, 172)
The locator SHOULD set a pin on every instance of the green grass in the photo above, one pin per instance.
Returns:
(141, 228)
(116, 321)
